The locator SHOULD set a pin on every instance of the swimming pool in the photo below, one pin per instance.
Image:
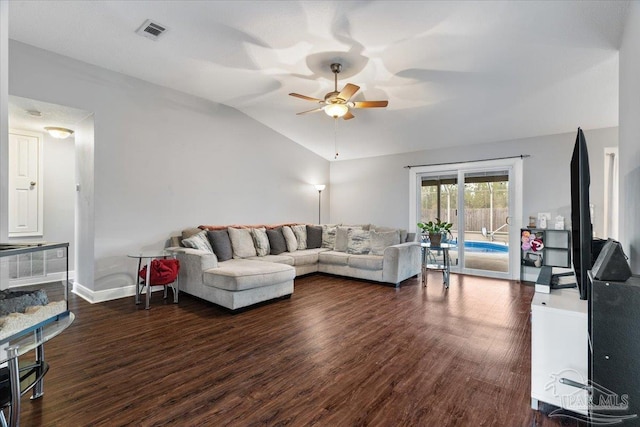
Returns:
(486, 247)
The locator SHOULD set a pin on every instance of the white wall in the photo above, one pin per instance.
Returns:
(629, 148)
(4, 120)
(4, 133)
(59, 195)
(376, 189)
(84, 203)
(165, 160)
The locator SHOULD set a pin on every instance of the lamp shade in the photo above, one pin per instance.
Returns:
(320, 187)
(57, 132)
(336, 110)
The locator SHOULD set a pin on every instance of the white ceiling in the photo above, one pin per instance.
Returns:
(454, 73)
(34, 115)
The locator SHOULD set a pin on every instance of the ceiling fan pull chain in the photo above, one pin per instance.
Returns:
(335, 137)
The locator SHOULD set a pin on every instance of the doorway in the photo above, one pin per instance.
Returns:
(60, 183)
(481, 200)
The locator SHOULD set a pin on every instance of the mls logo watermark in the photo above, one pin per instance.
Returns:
(587, 401)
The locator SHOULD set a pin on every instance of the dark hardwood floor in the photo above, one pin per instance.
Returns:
(340, 352)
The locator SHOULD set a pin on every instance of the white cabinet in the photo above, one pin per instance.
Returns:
(559, 349)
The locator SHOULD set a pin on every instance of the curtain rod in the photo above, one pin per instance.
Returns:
(521, 156)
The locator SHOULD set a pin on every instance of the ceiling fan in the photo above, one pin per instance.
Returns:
(336, 104)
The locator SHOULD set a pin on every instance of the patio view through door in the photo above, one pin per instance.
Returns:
(480, 212)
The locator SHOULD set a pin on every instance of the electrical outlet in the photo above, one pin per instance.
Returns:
(59, 253)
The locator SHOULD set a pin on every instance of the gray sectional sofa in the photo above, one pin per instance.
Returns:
(238, 266)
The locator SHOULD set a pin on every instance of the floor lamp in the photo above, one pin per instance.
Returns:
(319, 187)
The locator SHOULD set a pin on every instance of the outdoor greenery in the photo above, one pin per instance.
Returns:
(486, 203)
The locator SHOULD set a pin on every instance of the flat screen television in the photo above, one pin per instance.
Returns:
(581, 228)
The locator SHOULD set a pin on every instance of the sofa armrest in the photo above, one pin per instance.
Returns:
(401, 262)
(193, 262)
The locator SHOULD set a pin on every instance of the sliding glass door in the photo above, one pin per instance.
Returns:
(478, 198)
(486, 222)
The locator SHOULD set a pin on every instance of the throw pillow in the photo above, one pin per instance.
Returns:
(314, 236)
(276, 241)
(403, 233)
(328, 236)
(221, 244)
(290, 238)
(241, 242)
(188, 232)
(341, 237)
(381, 240)
(198, 241)
(358, 241)
(300, 232)
(261, 241)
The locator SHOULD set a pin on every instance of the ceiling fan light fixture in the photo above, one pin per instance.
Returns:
(58, 132)
(336, 110)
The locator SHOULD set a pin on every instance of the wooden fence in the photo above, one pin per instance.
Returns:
(475, 218)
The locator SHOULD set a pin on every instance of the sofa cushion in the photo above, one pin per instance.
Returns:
(241, 274)
(366, 262)
(381, 239)
(305, 257)
(359, 241)
(221, 244)
(342, 238)
(290, 238)
(198, 241)
(260, 241)
(300, 232)
(241, 242)
(314, 236)
(333, 257)
(276, 241)
(329, 236)
(280, 259)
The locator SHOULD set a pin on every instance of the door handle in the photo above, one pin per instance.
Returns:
(32, 183)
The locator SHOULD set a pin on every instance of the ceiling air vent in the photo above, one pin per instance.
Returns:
(151, 30)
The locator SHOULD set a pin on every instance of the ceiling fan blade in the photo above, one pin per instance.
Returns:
(348, 91)
(305, 97)
(348, 116)
(311, 111)
(370, 104)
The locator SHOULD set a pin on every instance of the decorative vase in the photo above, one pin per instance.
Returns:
(435, 239)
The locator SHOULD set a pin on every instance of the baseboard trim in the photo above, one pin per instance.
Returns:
(94, 297)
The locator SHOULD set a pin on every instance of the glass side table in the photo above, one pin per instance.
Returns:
(32, 338)
(444, 266)
(149, 256)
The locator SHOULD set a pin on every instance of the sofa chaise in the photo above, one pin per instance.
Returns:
(241, 265)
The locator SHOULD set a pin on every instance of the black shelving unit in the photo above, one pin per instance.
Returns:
(556, 252)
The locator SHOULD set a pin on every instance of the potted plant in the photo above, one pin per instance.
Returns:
(435, 230)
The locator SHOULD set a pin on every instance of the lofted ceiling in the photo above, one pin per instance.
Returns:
(455, 73)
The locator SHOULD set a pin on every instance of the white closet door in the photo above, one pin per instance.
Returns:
(25, 192)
